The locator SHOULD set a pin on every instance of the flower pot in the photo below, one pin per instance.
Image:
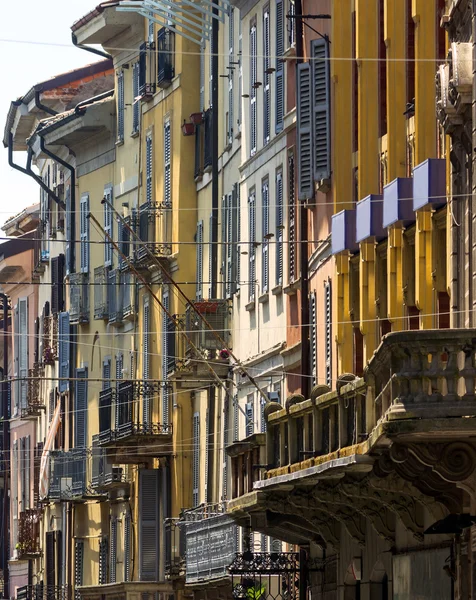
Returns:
(188, 128)
(196, 118)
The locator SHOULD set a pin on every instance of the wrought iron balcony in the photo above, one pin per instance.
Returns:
(35, 403)
(131, 432)
(105, 475)
(100, 293)
(114, 297)
(125, 590)
(79, 298)
(69, 475)
(165, 57)
(40, 591)
(174, 549)
(149, 249)
(29, 544)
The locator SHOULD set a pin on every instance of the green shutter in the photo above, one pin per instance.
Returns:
(304, 132)
(320, 108)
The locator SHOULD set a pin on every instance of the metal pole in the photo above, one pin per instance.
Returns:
(6, 450)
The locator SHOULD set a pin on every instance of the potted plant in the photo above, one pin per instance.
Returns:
(196, 118)
(188, 128)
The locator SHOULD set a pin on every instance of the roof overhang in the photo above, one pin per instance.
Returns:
(104, 24)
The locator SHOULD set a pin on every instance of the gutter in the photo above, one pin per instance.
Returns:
(42, 106)
(74, 39)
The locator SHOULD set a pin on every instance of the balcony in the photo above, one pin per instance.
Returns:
(340, 458)
(127, 590)
(79, 298)
(130, 432)
(148, 250)
(35, 404)
(29, 545)
(100, 293)
(114, 297)
(69, 476)
(165, 57)
(193, 360)
(210, 539)
(107, 477)
(39, 591)
(174, 550)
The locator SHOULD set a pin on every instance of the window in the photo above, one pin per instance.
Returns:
(78, 562)
(267, 78)
(279, 75)
(230, 252)
(202, 77)
(249, 412)
(231, 73)
(210, 257)
(291, 24)
(165, 57)
(167, 165)
(313, 336)
(63, 351)
(57, 284)
(84, 232)
(328, 332)
(199, 258)
(168, 354)
(127, 547)
(240, 78)
(146, 69)
(291, 221)
(103, 556)
(113, 551)
(265, 240)
(304, 133)
(236, 417)
(146, 359)
(149, 494)
(135, 98)
(108, 220)
(279, 228)
(21, 354)
(210, 75)
(120, 106)
(252, 245)
(148, 169)
(196, 459)
(80, 408)
(106, 374)
(253, 88)
(321, 108)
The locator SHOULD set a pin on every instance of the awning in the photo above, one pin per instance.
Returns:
(45, 457)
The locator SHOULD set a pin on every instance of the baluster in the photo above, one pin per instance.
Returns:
(469, 373)
(434, 374)
(451, 373)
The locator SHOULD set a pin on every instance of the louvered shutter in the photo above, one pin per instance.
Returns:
(253, 89)
(199, 269)
(120, 106)
(55, 285)
(313, 336)
(240, 79)
(167, 354)
(135, 98)
(27, 467)
(148, 169)
(223, 243)
(14, 484)
(146, 360)
(80, 408)
(207, 452)
(210, 75)
(23, 350)
(63, 345)
(231, 254)
(292, 238)
(167, 165)
(103, 556)
(127, 547)
(236, 429)
(210, 257)
(84, 232)
(196, 460)
(304, 132)
(202, 77)
(265, 241)
(16, 360)
(78, 563)
(237, 246)
(279, 74)
(108, 228)
(263, 424)
(226, 437)
(252, 245)
(320, 111)
(50, 559)
(69, 233)
(113, 551)
(328, 332)
(149, 494)
(267, 78)
(249, 411)
(106, 374)
(279, 228)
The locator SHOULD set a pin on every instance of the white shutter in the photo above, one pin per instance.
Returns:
(313, 336)
(304, 133)
(108, 227)
(196, 460)
(265, 241)
(202, 77)
(252, 245)
(267, 78)
(320, 112)
(328, 332)
(84, 232)
(253, 89)
(148, 169)
(199, 269)
(23, 351)
(279, 228)
(279, 74)
(167, 165)
(120, 106)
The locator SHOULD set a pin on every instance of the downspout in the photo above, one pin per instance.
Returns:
(28, 171)
(5, 449)
(42, 106)
(88, 48)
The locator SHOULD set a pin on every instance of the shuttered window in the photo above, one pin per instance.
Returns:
(108, 227)
(207, 452)
(328, 331)
(253, 88)
(120, 106)
(199, 269)
(113, 551)
(265, 240)
(106, 373)
(146, 416)
(148, 169)
(57, 283)
(149, 494)
(210, 257)
(103, 556)
(279, 228)
(69, 251)
(230, 238)
(279, 74)
(80, 408)
(262, 404)
(252, 245)
(202, 77)
(51, 559)
(15, 470)
(167, 354)
(267, 78)
(22, 355)
(240, 78)
(63, 346)
(135, 98)
(26, 449)
(304, 131)
(231, 76)
(249, 411)
(127, 547)
(320, 108)
(236, 423)
(237, 246)
(210, 75)
(167, 165)
(313, 336)
(226, 438)
(78, 563)
(196, 460)
(84, 232)
(292, 238)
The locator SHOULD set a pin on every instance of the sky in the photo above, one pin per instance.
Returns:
(33, 26)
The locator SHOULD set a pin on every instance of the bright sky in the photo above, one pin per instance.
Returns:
(24, 65)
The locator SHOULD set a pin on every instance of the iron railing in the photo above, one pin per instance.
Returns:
(35, 403)
(216, 313)
(100, 293)
(29, 543)
(45, 592)
(68, 474)
(106, 475)
(79, 298)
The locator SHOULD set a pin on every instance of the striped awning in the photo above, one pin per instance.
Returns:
(192, 19)
(45, 457)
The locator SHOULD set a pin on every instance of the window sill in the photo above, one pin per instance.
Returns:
(293, 287)
(250, 306)
(119, 143)
(228, 147)
(238, 135)
(290, 52)
(263, 298)
(277, 290)
(207, 169)
(135, 134)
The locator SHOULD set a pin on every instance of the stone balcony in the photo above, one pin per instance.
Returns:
(396, 443)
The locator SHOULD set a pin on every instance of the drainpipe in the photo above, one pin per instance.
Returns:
(28, 171)
(215, 110)
(88, 48)
(43, 107)
(6, 449)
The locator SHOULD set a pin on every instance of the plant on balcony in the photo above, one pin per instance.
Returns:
(49, 356)
(249, 590)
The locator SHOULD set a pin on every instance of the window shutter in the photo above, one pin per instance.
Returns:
(304, 133)
(196, 460)
(279, 228)
(313, 336)
(23, 350)
(14, 492)
(113, 551)
(207, 437)
(328, 332)
(237, 246)
(321, 120)
(149, 494)
(262, 404)
(167, 354)
(252, 245)
(265, 241)
(27, 457)
(291, 221)
(103, 555)
(223, 244)
(127, 547)
(232, 257)
(202, 77)
(78, 562)
(120, 106)
(253, 89)
(146, 360)
(167, 165)
(69, 252)
(106, 374)
(279, 75)
(267, 78)
(63, 345)
(135, 98)
(226, 419)
(236, 429)
(51, 405)
(249, 418)
(210, 255)
(81, 408)
(57, 283)
(50, 559)
(199, 276)
(108, 227)
(84, 232)
(148, 169)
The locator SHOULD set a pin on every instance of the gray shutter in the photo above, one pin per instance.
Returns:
(81, 408)
(69, 251)
(202, 77)
(292, 224)
(313, 336)
(167, 165)
(113, 551)
(210, 254)
(127, 547)
(226, 419)
(207, 436)
(262, 404)
(84, 232)
(148, 169)
(236, 429)
(149, 494)
(237, 246)
(279, 228)
(78, 562)
(27, 458)
(14, 484)
(196, 460)
(106, 374)
(103, 555)
(253, 90)
(199, 269)
(23, 351)
(279, 74)
(120, 106)
(135, 98)
(252, 246)
(224, 244)
(108, 228)
(321, 120)
(146, 360)
(328, 332)
(63, 344)
(265, 241)
(266, 77)
(249, 411)
(304, 133)
(166, 324)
